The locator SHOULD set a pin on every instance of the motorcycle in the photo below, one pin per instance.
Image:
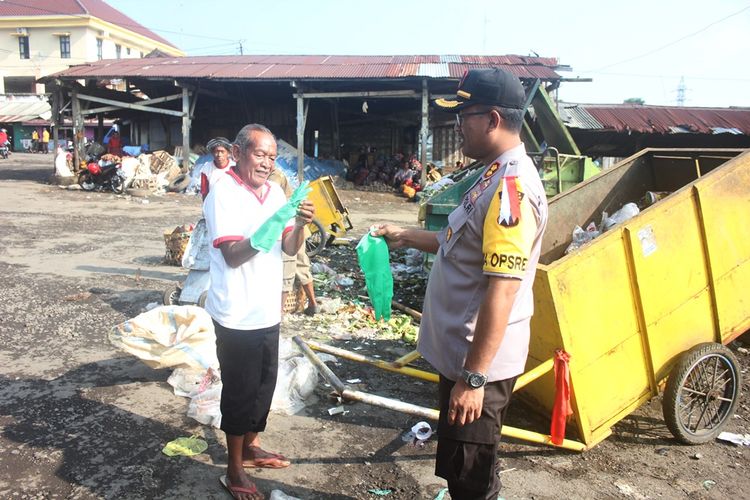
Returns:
(102, 177)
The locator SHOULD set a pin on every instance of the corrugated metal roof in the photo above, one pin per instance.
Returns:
(668, 119)
(576, 116)
(439, 70)
(81, 8)
(271, 67)
(22, 111)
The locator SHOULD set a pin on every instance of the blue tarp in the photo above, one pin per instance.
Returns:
(286, 160)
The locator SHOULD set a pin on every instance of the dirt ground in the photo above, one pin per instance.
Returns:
(82, 420)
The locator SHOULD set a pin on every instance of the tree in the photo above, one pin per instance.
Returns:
(634, 100)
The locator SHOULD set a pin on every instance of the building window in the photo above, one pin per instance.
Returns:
(118, 50)
(99, 48)
(19, 84)
(65, 46)
(23, 47)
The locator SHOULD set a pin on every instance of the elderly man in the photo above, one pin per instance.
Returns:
(244, 296)
(221, 149)
(475, 323)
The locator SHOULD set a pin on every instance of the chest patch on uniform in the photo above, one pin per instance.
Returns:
(449, 234)
(510, 202)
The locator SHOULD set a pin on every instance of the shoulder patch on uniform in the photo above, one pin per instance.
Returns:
(510, 202)
(448, 234)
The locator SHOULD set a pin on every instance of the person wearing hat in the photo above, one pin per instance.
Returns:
(220, 148)
(478, 304)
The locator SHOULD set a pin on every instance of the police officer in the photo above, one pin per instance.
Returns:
(478, 303)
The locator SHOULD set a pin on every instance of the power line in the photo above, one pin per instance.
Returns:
(639, 75)
(672, 42)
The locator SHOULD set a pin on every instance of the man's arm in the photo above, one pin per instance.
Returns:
(465, 404)
(236, 253)
(293, 240)
(398, 237)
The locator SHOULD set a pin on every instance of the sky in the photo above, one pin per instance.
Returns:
(635, 49)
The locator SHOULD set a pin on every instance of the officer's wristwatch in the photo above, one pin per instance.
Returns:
(475, 380)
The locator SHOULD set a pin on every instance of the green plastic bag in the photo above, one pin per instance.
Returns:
(187, 446)
(374, 260)
(266, 236)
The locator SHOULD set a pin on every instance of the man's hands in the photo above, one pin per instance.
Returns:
(465, 404)
(305, 213)
(398, 237)
(393, 235)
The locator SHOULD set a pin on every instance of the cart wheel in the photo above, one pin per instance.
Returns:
(701, 393)
(316, 242)
(202, 299)
(171, 296)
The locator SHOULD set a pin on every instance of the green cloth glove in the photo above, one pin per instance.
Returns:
(374, 260)
(266, 236)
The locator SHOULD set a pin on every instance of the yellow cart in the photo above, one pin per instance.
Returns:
(331, 217)
(656, 297)
(653, 298)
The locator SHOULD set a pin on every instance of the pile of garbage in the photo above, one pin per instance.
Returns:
(582, 236)
(345, 311)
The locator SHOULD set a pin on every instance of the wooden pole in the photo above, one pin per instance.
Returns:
(300, 137)
(99, 127)
(336, 135)
(185, 130)
(424, 131)
(77, 129)
(56, 97)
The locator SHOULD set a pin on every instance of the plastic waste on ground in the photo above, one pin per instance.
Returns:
(374, 260)
(321, 268)
(419, 433)
(266, 236)
(280, 495)
(185, 446)
(738, 439)
(331, 306)
(380, 492)
(296, 380)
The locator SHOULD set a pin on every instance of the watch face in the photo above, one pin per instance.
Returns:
(476, 380)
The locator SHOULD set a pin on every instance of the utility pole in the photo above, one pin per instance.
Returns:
(241, 52)
(681, 92)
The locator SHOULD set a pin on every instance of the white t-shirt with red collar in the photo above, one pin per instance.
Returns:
(247, 297)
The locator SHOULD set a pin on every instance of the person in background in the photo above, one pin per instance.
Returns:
(34, 141)
(221, 149)
(295, 266)
(479, 301)
(243, 299)
(114, 146)
(45, 140)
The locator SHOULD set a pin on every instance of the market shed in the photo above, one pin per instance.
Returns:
(328, 106)
(621, 130)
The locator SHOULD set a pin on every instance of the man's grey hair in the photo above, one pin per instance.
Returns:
(512, 118)
(244, 139)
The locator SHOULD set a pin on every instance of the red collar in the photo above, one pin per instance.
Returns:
(242, 183)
